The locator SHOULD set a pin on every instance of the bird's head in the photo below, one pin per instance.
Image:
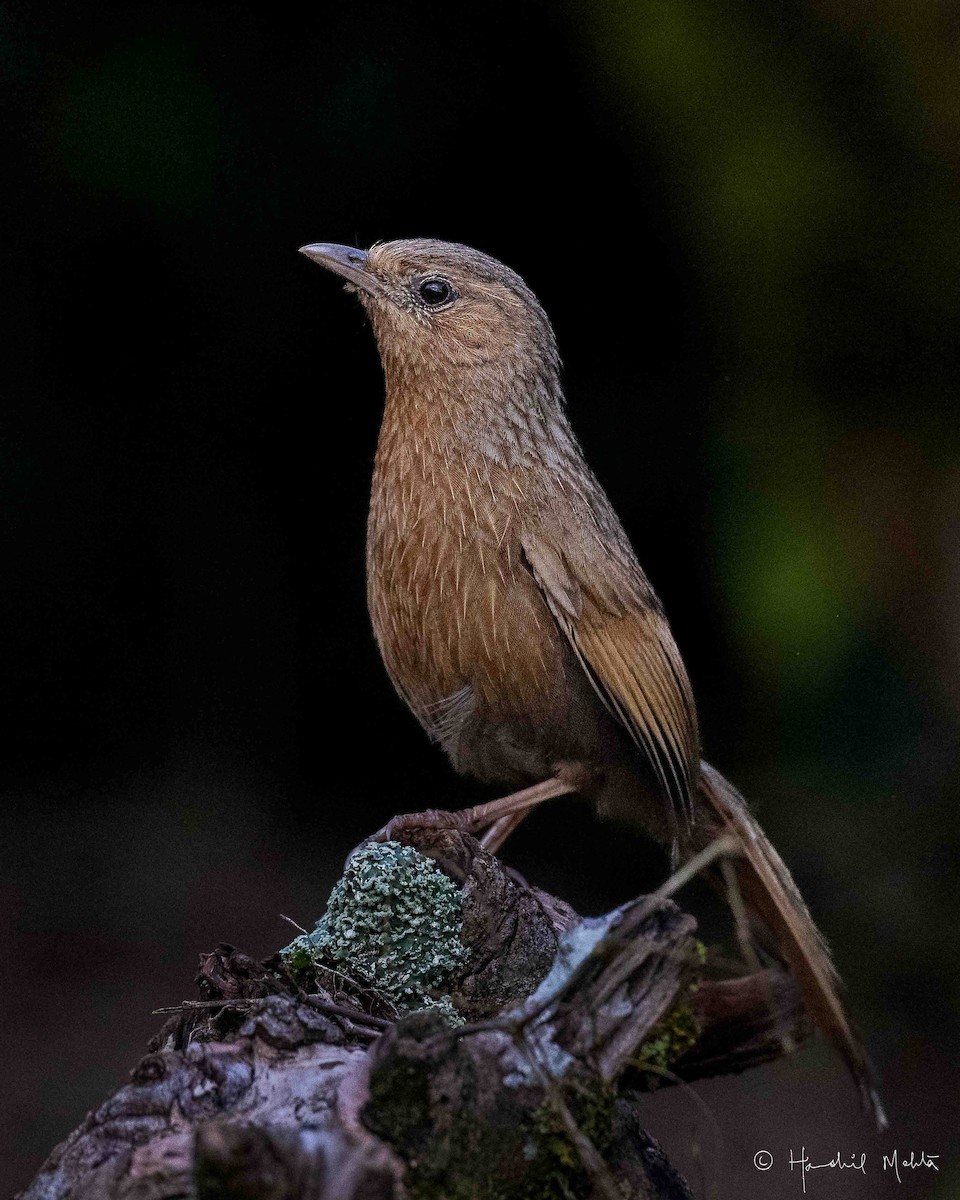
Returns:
(442, 307)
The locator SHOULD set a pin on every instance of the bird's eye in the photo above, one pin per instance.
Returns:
(435, 292)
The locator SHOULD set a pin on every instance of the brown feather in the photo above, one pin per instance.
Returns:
(630, 658)
(772, 897)
(510, 609)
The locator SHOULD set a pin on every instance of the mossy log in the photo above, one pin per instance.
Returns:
(514, 1073)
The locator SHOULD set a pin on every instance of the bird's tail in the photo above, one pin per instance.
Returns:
(771, 897)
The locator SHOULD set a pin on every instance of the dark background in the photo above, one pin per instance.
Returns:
(744, 222)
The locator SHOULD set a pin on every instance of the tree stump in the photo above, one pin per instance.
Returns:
(513, 1072)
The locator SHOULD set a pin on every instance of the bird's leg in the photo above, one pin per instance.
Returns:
(501, 829)
(578, 775)
(481, 816)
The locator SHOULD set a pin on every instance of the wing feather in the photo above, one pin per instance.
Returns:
(621, 639)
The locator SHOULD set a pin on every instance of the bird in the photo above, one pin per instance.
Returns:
(510, 609)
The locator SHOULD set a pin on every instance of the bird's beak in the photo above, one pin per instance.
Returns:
(352, 264)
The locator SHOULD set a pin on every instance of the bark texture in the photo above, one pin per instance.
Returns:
(279, 1084)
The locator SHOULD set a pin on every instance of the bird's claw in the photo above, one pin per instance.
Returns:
(431, 818)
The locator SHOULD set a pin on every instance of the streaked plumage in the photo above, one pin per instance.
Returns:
(510, 609)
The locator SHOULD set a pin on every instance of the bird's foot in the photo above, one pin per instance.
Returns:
(498, 817)
(431, 818)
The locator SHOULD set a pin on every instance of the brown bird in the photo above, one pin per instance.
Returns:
(510, 609)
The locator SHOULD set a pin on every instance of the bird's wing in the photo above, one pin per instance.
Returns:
(616, 628)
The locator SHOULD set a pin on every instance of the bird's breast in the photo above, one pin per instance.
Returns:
(459, 619)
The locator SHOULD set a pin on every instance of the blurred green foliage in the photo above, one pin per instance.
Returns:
(805, 203)
(772, 403)
(812, 150)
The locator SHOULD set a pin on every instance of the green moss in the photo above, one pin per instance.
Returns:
(677, 1030)
(300, 960)
(393, 923)
(399, 1105)
(673, 1035)
(556, 1168)
(511, 1153)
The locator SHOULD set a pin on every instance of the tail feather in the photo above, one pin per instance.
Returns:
(771, 895)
